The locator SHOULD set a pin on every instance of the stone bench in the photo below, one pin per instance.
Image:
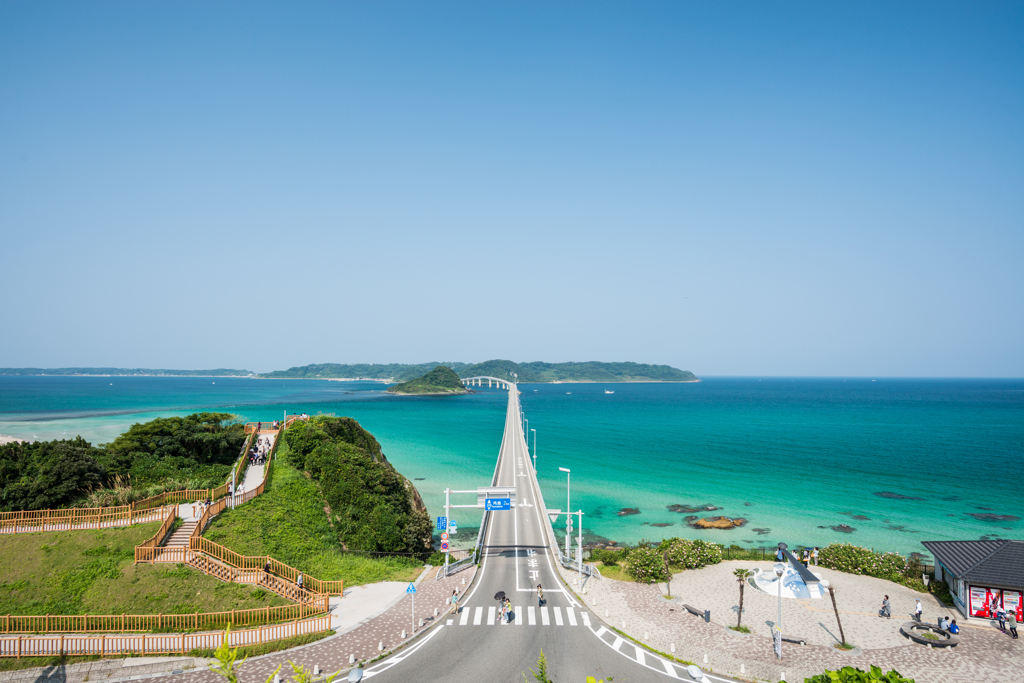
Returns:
(706, 614)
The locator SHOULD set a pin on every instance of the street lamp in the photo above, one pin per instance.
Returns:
(779, 570)
(568, 515)
(535, 458)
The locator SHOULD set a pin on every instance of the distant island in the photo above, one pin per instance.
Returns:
(441, 381)
(119, 372)
(534, 372)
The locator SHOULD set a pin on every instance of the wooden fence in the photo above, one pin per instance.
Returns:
(165, 528)
(154, 644)
(259, 562)
(33, 521)
(126, 623)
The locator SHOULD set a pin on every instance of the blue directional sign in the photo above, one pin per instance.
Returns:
(498, 504)
(442, 523)
(410, 589)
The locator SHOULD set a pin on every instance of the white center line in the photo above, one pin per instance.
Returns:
(544, 618)
(478, 615)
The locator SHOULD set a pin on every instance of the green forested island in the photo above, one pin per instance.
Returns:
(441, 380)
(219, 372)
(533, 372)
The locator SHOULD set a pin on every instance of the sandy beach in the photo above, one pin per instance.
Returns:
(4, 439)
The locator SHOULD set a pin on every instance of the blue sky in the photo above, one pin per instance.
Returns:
(730, 188)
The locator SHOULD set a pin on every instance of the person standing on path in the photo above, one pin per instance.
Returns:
(779, 557)
(455, 599)
(917, 611)
(299, 581)
(1001, 618)
(886, 608)
(540, 596)
(814, 556)
(1011, 620)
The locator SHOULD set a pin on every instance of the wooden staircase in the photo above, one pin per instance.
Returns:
(179, 539)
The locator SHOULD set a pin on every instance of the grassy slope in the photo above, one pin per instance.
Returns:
(288, 522)
(91, 572)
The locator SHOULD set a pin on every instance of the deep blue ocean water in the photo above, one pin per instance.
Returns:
(795, 457)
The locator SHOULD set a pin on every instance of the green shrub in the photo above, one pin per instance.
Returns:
(646, 565)
(848, 674)
(607, 557)
(689, 554)
(940, 589)
(853, 559)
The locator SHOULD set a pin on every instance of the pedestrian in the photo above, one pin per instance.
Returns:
(1001, 618)
(259, 427)
(779, 556)
(814, 556)
(266, 569)
(953, 628)
(299, 581)
(455, 599)
(1011, 621)
(508, 611)
(917, 611)
(886, 608)
(540, 596)
(806, 557)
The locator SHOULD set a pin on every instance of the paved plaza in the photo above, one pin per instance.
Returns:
(644, 613)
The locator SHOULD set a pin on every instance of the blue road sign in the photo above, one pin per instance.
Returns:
(452, 522)
(442, 523)
(498, 504)
(410, 589)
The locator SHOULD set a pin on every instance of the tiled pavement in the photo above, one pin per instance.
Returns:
(642, 611)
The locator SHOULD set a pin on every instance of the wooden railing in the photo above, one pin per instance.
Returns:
(158, 644)
(33, 521)
(259, 562)
(126, 623)
(165, 528)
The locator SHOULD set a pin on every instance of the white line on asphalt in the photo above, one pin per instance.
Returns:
(617, 644)
(601, 631)
(586, 619)
(450, 622)
(544, 618)
(478, 615)
(639, 655)
(465, 616)
(490, 615)
(571, 614)
(533, 615)
(519, 615)
(665, 663)
(558, 616)
(395, 660)
(669, 669)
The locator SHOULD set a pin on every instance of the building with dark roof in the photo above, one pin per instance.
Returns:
(982, 575)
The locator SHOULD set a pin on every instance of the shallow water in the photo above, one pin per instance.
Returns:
(789, 455)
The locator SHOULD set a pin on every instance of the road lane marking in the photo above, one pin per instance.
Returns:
(617, 644)
(586, 619)
(533, 615)
(558, 615)
(519, 615)
(601, 631)
(490, 615)
(571, 614)
(669, 669)
(478, 615)
(387, 664)
(465, 617)
(544, 618)
(639, 655)
(450, 622)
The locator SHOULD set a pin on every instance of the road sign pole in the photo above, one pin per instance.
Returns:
(579, 549)
(447, 504)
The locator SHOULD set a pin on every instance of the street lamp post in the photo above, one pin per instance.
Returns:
(535, 454)
(778, 624)
(568, 515)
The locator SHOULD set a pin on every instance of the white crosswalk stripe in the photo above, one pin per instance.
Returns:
(491, 611)
(569, 612)
(526, 616)
(533, 615)
(478, 615)
(558, 616)
(586, 619)
(544, 618)
(465, 617)
(519, 615)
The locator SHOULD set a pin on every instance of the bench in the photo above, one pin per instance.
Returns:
(706, 614)
(795, 639)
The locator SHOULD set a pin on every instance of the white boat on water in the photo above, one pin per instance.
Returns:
(608, 392)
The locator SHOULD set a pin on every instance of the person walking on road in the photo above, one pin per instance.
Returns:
(455, 599)
(540, 596)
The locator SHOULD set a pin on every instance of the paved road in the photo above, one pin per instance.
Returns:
(517, 556)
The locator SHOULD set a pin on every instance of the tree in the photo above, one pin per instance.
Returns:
(741, 578)
(832, 593)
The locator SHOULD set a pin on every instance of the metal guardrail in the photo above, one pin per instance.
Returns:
(587, 569)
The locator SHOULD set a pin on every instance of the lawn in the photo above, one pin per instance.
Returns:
(289, 523)
(91, 572)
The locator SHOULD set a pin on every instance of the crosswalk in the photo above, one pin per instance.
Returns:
(529, 616)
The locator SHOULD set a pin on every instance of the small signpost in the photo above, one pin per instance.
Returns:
(497, 503)
(411, 590)
(442, 523)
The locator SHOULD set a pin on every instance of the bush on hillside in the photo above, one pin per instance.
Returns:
(853, 559)
(47, 474)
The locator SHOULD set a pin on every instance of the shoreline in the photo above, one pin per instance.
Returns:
(4, 440)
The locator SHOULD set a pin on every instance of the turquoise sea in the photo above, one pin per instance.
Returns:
(796, 457)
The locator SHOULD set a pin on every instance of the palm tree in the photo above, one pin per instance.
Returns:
(832, 592)
(741, 578)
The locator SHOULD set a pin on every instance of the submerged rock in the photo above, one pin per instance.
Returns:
(896, 496)
(762, 532)
(679, 507)
(863, 518)
(989, 517)
(663, 524)
(843, 529)
(628, 511)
